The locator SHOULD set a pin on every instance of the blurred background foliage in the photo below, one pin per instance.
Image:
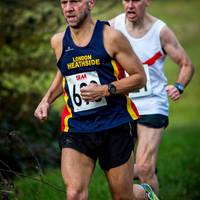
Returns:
(27, 65)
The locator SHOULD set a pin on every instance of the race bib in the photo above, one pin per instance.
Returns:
(75, 83)
(146, 90)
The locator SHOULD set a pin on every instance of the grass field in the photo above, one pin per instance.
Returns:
(179, 157)
(178, 169)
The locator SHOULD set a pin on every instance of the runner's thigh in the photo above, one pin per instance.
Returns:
(76, 168)
(120, 180)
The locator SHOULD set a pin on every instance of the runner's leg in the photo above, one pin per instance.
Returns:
(77, 170)
(146, 154)
(120, 181)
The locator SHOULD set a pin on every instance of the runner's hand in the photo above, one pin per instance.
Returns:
(173, 92)
(94, 92)
(41, 111)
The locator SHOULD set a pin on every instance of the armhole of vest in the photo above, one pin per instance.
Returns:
(161, 26)
(63, 48)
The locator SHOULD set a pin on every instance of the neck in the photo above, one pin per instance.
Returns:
(141, 23)
(141, 26)
(82, 35)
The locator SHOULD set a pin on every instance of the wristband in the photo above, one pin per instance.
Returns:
(180, 87)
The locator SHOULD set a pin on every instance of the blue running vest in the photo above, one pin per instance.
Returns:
(81, 66)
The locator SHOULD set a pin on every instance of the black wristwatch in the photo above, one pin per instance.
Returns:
(180, 87)
(111, 89)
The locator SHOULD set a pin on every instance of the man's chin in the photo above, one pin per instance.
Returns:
(132, 19)
(73, 25)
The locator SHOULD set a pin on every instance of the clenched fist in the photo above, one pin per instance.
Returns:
(173, 92)
(41, 111)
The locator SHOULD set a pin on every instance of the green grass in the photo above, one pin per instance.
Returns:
(178, 169)
(179, 157)
(178, 163)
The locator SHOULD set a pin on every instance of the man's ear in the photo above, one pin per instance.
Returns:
(91, 4)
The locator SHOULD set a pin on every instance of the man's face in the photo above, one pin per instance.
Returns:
(76, 11)
(135, 9)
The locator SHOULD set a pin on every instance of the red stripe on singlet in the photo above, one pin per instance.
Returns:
(121, 73)
(65, 113)
(153, 59)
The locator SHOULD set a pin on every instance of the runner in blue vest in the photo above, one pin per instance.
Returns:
(98, 120)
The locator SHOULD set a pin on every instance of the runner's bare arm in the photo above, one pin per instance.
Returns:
(176, 52)
(56, 43)
(55, 89)
(120, 50)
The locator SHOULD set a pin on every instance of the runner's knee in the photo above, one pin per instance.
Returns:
(76, 193)
(122, 191)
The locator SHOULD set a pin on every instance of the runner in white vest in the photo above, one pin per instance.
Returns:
(152, 40)
(148, 48)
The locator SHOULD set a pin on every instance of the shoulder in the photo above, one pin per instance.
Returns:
(156, 24)
(167, 35)
(114, 41)
(57, 39)
(159, 28)
(112, 34)
(170, 43)
(56, 43)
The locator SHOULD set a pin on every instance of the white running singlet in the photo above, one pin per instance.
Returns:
(152, 99)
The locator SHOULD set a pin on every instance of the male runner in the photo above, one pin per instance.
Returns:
(152, 40)
(98, 119)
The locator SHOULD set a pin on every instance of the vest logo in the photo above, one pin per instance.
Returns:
(69, 49)
(81, 77)
(82, 61)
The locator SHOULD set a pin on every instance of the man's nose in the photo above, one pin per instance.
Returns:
(131, 4)
(69, 7)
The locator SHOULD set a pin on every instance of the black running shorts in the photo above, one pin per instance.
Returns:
(154, 121)
(112, 147)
